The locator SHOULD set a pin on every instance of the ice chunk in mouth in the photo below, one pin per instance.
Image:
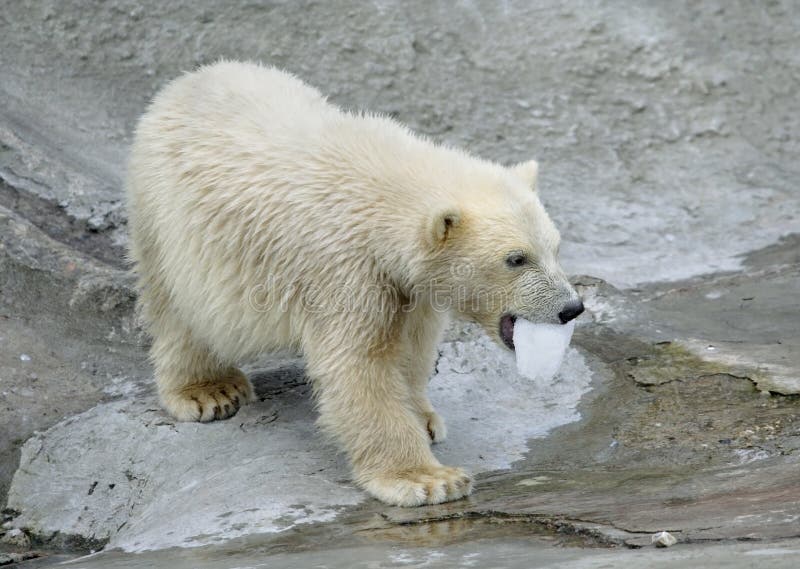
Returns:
(540, 348)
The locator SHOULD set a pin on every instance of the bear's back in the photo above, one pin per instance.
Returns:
(242, 175)
(238, 102)
(239, 177)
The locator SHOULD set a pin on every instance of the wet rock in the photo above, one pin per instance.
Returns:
(670, 362)
(166, 484)
(16, 538)
(10, 558)
(738, 323)
(779, 383)
(139, 480)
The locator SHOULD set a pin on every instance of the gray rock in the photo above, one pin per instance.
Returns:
(123, 473)
(661, 158)
(10, 558)
(16, 538)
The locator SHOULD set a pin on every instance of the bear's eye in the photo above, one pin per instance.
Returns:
(515, 260)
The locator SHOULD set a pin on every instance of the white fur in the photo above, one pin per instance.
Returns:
(263, 218)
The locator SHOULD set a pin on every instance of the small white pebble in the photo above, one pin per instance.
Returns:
(663, 539)
(25, 357)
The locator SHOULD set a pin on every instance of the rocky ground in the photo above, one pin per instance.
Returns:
(668, 141)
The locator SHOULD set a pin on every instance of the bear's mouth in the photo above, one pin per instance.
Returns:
(507, 330)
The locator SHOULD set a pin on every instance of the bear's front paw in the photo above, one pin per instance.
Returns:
(425, 485)
(437, 431)
(218, 399)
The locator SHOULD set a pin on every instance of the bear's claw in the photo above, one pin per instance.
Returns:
(437, 431)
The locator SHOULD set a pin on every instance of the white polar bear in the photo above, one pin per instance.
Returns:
(264, 218)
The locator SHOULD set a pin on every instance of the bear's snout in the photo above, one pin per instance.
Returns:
(571, 311)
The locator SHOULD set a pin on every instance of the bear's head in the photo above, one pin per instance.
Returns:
(497, 254)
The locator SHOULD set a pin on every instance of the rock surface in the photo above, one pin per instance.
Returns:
(668, 142)
(154, 483)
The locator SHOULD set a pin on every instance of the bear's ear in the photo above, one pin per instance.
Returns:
(441, 225)
(528, 172)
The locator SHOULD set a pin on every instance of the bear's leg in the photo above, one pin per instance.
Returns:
(424, 327)
(365, 402)
(193, 384)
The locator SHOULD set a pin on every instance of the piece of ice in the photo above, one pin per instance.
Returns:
(540, 347)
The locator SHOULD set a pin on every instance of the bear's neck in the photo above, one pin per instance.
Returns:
(400, 181)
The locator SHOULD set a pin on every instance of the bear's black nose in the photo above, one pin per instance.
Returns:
(571, 311)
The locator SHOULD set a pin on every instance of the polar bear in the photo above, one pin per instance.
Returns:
(263, 218)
